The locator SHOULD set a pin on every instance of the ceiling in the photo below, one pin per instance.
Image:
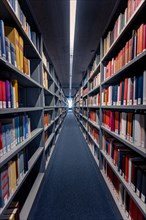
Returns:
(53, 20)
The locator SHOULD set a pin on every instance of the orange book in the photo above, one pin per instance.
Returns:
(141, 38)
(21, 48)
(144, 37)
(129, 125)
(130, 49)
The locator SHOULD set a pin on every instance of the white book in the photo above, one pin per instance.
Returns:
(144, 87)
(134, 88)
(143, 130)
(123, 121)
(128, 92)
(137, 130)
(109, 96)
(118, 97)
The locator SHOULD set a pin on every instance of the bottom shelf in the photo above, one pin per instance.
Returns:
(31, 197)
(114, 196)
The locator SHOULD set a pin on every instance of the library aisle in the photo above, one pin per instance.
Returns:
(73, 187)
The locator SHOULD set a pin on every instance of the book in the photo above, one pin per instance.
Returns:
(2, 39)
(13, 36)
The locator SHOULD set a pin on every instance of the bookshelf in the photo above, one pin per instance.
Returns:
(118, 144)
(32, 107)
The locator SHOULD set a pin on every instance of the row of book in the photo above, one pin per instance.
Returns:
(12, 48)
(120, 23)
(129, 164)
(95, 82)
(81, 102)
(132, 48)
(11, 174)
(94, 133)
(27, 28)
(9, 94)
(95, 64)
(130, 91)
(81, 91)
(94, 100)
(47, 119)
(130, 126)
(12, 212)
(94, 116)
(45, 61)
(13, 131)
(125, 201)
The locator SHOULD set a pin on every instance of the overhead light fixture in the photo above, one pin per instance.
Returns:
(73, 4)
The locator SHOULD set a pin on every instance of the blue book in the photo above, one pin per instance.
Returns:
(17, 129)
(122, 99)
(112, 95)
(116, 93)
(25, 159)
(13, 54)
(8, 137)
(106, 146)
(26, 126)
(33, 37)
(140, 90)
(2, 36)
(8, 52)
(3, 139)
(21, 163)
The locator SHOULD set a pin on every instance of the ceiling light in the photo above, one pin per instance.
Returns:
(72, 35)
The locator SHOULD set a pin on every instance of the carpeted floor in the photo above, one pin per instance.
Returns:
(73, 188)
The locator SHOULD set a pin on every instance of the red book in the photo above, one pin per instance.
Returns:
(1, 99)
(112, 121)
(144, 37)
(3, 94)
(0, 139)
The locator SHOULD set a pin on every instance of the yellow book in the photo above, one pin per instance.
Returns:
(10, 176)
(12, 34)
(14, 179)
(15, 86)
(21, 46)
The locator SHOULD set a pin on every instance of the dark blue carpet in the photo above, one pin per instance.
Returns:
(73, 188)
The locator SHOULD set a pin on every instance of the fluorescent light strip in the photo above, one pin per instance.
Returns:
(73, 4)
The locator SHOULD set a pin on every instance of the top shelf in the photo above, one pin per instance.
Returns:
(8, 15)
(135, 19)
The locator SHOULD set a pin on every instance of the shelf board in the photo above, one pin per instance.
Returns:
(22, 78)
(48, 108)
(114, 196)
(9, 155)
(18, 110)
(7, 13)
(49, 140)
(31, 164)
(93, 106)
(138, 201)
(124, 30)
(118, 76)
(84, 96)
(126, 107)
(94, 124)
(31, 197)
(139, 150)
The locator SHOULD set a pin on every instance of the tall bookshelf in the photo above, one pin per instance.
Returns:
(114, 124)
(32, 108)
